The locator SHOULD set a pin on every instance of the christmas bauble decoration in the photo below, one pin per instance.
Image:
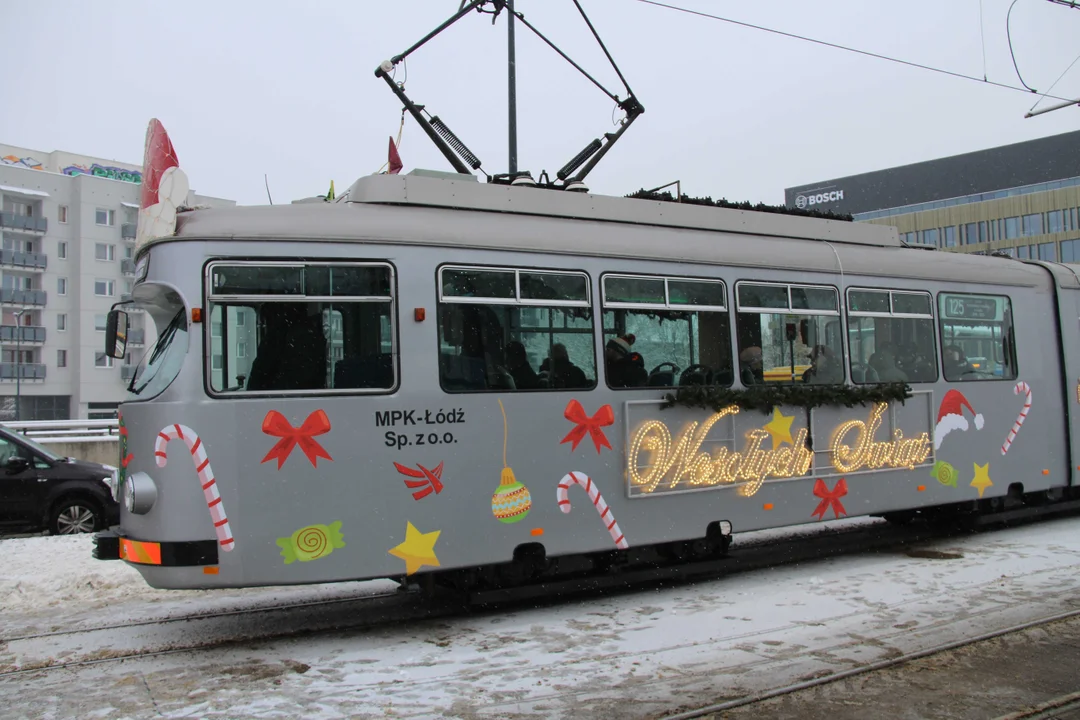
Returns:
(511, 501)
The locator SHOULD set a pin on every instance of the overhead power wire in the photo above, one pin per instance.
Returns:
(1055, 82)
(1008, 34)
(843, 47)
(982, 34)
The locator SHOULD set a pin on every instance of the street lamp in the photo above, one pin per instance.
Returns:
(18, 362)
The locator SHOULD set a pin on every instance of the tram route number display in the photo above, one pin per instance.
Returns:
(971, 308)
(421, 419)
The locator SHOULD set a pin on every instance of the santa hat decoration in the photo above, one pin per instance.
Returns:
(951, 416)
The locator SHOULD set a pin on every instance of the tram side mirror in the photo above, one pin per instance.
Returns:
(116, 327)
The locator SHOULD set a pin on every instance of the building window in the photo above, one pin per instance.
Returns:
(102, 360)
(61, 358)
(100, 322)
(789, 333)
(514, 329)
(1012, 227)
(1070, 251)
(950, 236)
(891, 336)
(1048, 251)
(677, 327)
(929, 237)
(104, 288)
(977, 337)
(105, 217)
(1022, 252)
(1032, 224)
(61, 250)
(975, 233)
(294, 305)
(103, 251)
(61, 286)
(61, 214)
(1055, 221)
(61, 322)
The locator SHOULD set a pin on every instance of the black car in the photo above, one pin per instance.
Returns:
(40, 490)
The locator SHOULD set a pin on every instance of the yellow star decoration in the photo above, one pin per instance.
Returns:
(417, 550)
(982, 478)
(780, 428)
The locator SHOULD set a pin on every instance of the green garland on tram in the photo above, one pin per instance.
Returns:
(765, 397)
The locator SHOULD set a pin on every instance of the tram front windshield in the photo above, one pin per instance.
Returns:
(162, 363)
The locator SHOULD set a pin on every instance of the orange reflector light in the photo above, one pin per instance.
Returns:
(144, 553)
(921, 488)
(536, 532)
(210, 570)
(196, 315)
(419, 314)
(767, 506)
(1046, 472)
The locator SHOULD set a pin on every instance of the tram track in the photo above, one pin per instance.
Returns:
(749, 701)
(116, 642)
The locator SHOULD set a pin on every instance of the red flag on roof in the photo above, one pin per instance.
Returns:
(158, 156)
(395, 160)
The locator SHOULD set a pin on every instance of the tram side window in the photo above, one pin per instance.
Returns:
(891, 336)
(977, 337)
(301, 326)
(507, 329)
(663, 332)
(789, 333)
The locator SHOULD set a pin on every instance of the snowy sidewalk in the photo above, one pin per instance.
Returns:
(631, 655)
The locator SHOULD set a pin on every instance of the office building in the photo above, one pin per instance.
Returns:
(1020, 199)
(68, 227)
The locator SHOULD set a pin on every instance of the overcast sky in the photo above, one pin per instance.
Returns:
(288, 89)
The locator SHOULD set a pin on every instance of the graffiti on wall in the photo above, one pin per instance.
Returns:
(112, 173)
(27, 162)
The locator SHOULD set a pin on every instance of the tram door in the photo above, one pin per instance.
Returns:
(1069, 311)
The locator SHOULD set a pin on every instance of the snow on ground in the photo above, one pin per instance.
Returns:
(627, 655)
(50, 583)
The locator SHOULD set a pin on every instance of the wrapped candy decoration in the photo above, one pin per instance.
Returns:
(311, 542)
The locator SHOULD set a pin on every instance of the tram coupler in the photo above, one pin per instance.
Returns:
(106, 545)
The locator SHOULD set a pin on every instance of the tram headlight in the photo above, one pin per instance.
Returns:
(140, 493)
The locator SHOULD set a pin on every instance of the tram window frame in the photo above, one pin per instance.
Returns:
(502, 372)
(1003, 345)
(892, 314)
(642, 377)
(283, 296)
(742, 311)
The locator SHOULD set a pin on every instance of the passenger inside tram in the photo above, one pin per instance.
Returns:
(558, 371)
(752, 366)
(824, 369)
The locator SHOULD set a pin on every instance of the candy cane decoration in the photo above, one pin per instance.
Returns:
(205, 473)
(1021, 387)
(580, 478)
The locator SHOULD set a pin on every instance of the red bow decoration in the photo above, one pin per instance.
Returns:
(431, 479)
(275, 424)
(830, 498)
(585, 424)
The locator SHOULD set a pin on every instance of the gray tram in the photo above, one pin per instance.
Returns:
(431, 375)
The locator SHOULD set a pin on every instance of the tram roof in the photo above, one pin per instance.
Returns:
(453, 212)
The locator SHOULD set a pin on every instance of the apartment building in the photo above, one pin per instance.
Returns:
(68, 237)
(1021, 199)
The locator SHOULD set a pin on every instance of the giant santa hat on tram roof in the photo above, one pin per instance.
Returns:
(164, 186)
(951, 416)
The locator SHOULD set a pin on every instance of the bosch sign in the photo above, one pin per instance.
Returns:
(802, 201)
